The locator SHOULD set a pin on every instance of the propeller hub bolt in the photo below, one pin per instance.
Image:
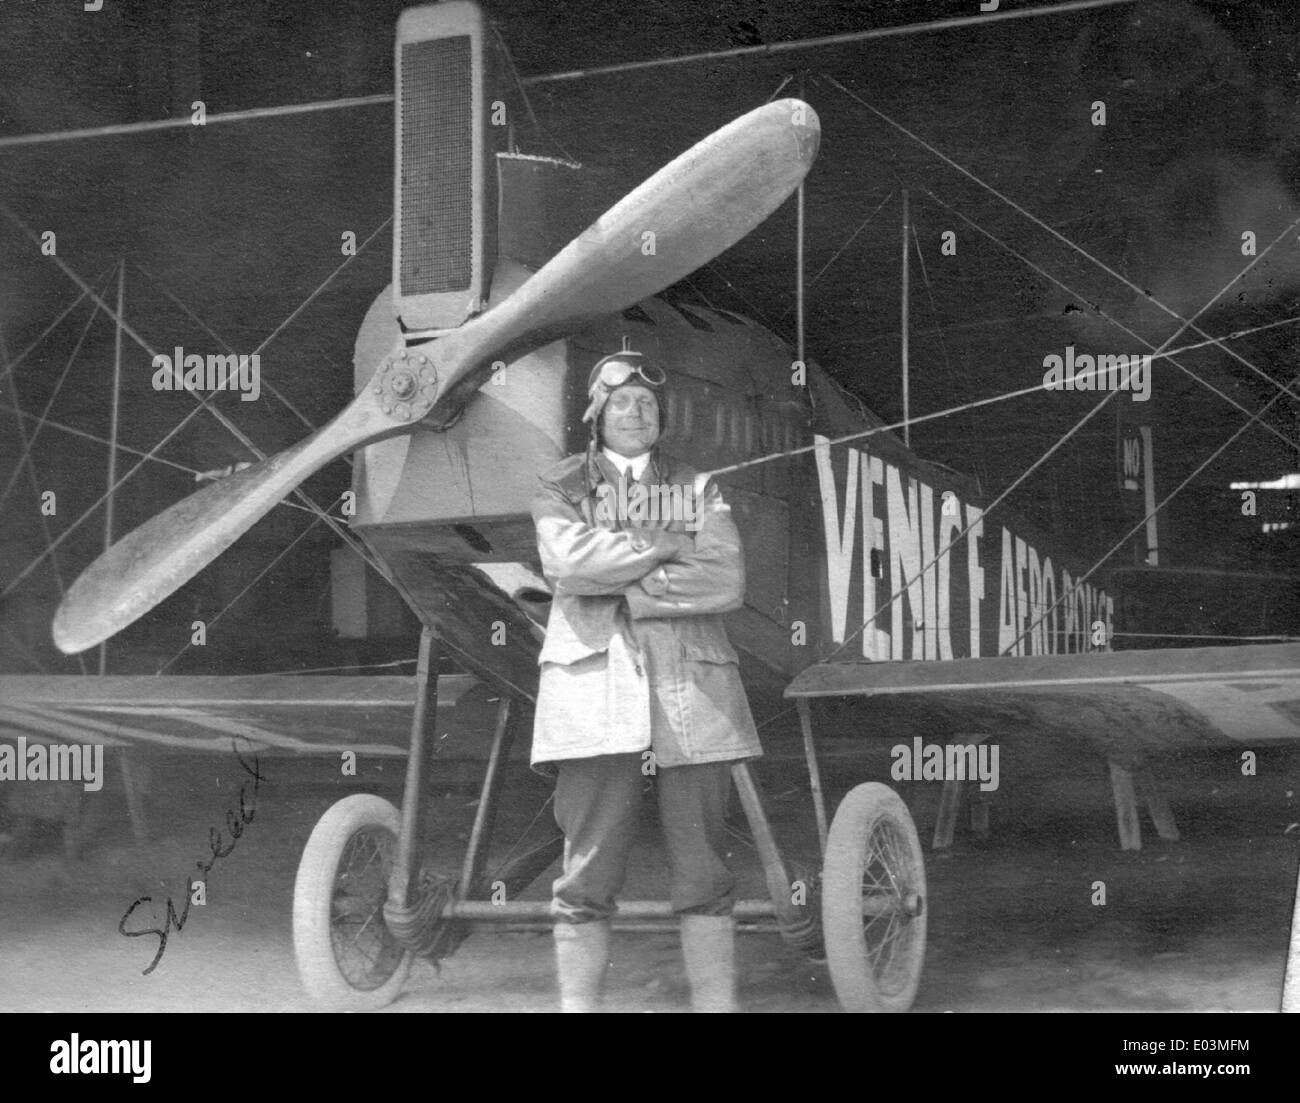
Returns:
(406, 385)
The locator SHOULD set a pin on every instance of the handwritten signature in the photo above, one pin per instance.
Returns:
(235, 824)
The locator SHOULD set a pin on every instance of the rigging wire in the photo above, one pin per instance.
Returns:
(26, 462)
(251, 114)
(184, 307)
(281, 110)
(30, 442)
(1288, 391)
(846, 38)
(260, 575)
(203, 404)
(336, 669)
(522, 836)
(1075, 246)
(952, 411)
(758, 313)
(840, 251)
(17, 360)
(339, 529)
(325, 283)
(920, 574)
(883, 32)
(523, 93)
(62, 427)
(26, 652)
(943, 349)
(780, 88)
(1217, 342)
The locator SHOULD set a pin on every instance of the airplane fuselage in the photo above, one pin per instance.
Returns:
(831, 533)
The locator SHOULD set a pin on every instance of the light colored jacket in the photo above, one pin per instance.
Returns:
(636, 657)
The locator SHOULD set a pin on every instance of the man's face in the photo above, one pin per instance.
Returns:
(631, 420)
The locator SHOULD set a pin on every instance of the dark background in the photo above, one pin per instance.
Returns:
(242, 222)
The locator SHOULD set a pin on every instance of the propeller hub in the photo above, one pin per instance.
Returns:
(404, 385)
(407, 385)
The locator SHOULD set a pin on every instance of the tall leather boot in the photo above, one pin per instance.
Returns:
(709, 947)
(581, 956)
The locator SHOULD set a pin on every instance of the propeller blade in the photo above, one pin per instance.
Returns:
(153, 561)
(691, 210)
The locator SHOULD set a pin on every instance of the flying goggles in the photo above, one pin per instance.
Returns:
(616, 369)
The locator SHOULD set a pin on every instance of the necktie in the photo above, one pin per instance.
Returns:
(628, 481)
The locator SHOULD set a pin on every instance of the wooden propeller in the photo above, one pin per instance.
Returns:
(691, 210)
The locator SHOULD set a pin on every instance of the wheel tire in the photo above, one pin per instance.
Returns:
(347, 958)
(874, 957)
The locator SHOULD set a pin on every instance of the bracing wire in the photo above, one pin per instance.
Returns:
(258, 578)
(523, 95)
(1287, 391)
(952, 411)
(908, 582)
(27, 464)
(202, 400)
(30, 442)
(18, 360)
(1074, 245)
(1187, 324)
(1217, 342)
(282, 110)
(184, 307)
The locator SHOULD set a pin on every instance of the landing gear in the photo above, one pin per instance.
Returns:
(347, 956)
(873, 901)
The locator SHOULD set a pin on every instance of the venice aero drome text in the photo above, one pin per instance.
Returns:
(882, 526)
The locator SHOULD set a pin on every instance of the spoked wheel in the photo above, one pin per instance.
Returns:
(347, 957)
(873, 901)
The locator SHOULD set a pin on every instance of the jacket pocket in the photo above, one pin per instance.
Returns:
(709, 651)
(566, 652)
(578, 628)
(704, 640)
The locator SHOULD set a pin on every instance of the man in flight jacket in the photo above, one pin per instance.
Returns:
(638, 680)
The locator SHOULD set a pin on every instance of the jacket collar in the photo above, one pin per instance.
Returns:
(638, 464)
(603, 469)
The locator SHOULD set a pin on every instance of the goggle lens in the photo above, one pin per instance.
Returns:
(618, 372)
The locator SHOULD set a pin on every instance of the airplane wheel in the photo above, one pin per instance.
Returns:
(873, 901)
(347, 957)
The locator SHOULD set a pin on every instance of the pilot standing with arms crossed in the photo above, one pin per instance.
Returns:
(638, 679)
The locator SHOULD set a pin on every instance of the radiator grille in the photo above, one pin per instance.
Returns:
(437, 235)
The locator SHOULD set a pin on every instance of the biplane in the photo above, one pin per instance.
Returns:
(874, 576)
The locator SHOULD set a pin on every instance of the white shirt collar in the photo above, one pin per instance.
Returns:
(621, 463)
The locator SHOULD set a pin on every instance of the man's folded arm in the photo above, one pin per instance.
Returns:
(708, 577)
(584, 559)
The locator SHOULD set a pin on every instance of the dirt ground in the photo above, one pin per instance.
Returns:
(1015, 923)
